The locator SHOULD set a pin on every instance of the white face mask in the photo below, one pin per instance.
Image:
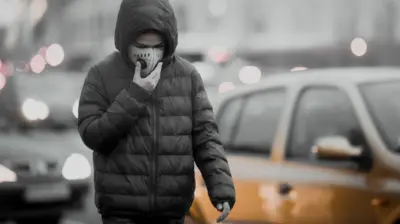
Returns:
(149, 55)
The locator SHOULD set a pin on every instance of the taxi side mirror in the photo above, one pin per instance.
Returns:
(335, 148)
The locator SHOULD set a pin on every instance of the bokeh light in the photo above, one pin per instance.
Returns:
(35, 110)
(2, 81)
(250, 74)
(55, 54)
(7, 68)
(298, 69)
(42, 51)
(219, 54)
(37, 64)
(358, 46)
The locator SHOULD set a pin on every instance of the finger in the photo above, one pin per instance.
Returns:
(138, 69)
(159, 67)
(154, 81)
(156, 78)
(155, 75)
(157, 70)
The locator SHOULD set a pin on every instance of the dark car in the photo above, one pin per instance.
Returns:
(44, 169)
(41, 99)
(40, 178)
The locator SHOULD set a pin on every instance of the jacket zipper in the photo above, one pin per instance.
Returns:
(154, 174)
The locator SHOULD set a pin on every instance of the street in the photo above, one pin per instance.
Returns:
(88, 216)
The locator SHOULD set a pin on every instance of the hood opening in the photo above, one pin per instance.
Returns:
(137, 16)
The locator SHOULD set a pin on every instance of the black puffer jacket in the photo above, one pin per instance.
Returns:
(145, 145)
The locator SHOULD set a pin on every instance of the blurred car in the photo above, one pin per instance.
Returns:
(42, 99)
(40, 180)
(41, 177)
(316, 146)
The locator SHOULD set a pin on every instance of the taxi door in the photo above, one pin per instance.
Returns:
(324, 191)
(247, 125)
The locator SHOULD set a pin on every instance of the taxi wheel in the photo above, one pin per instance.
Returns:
(56, 219)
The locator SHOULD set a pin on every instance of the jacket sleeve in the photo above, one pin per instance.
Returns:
(102, 123)
(208, 150)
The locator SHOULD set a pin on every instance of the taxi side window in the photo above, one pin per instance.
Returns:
(227, 119)
(253, 131)
(322, 112)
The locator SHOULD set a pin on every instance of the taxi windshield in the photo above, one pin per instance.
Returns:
(383, 102)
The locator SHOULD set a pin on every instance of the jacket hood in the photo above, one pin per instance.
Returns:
(136, 16)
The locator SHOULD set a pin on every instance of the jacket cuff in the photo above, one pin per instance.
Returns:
(138, 92)
(230, 201)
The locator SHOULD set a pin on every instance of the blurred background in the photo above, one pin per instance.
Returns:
(221, 36)
(47, 47)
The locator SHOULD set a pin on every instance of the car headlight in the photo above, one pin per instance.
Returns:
(7, 175)
(75, 108)
(35, 110)
(76, 167)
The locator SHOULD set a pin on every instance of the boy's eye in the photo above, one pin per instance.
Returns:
(160, 46)
(139, 45)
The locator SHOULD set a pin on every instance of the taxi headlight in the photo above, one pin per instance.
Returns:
(76, 167)
(35, 110)
(7, 175)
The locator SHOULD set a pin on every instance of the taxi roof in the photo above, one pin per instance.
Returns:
(353, 75)
(340, 76)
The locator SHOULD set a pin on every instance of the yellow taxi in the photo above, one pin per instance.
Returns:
(318, 146)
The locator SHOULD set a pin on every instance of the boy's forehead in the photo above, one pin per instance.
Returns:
(149, 38)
